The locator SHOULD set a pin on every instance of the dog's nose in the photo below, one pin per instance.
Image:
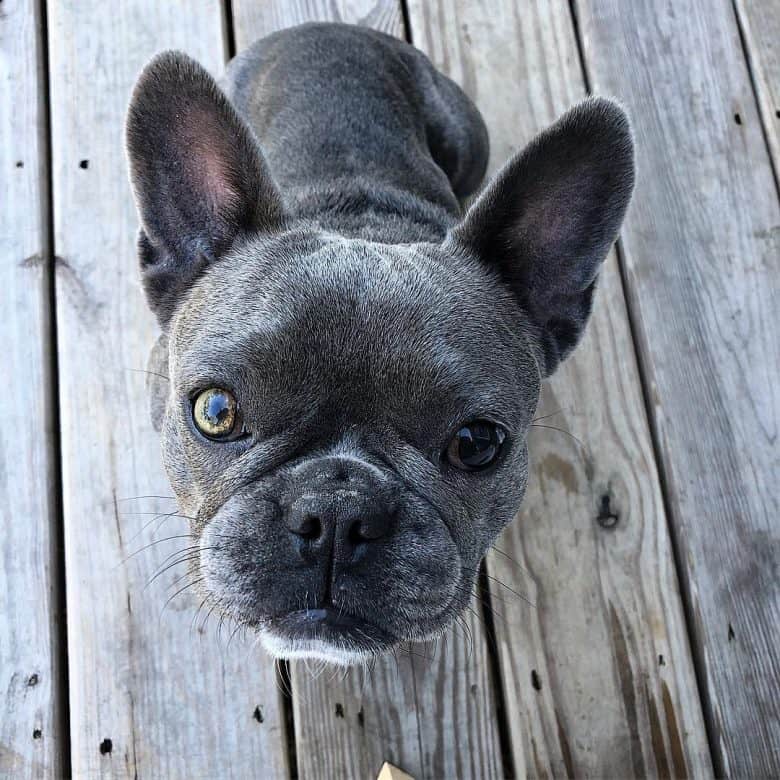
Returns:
(348, 519)
(341, 508)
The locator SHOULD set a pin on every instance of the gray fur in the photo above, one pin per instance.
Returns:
(302, 246)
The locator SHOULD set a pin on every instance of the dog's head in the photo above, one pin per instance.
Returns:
(346, 420)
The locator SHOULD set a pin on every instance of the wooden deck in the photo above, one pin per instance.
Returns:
(635, 619)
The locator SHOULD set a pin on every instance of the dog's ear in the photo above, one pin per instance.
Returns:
(199, 178)
(547, 220)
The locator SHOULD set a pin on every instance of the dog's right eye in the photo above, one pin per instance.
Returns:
(476, 445)
(216, 415)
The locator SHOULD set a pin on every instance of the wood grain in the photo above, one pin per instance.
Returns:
(760, 24)
(597, 673)
(431, 710)
(31, 744)
(152, 693)
(702, 263)
(252, 20)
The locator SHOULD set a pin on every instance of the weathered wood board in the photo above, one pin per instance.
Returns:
(702, 263)
(431, 710)
(252, 20)
(760, 24)
(31, 744)
(597, 673)
(151, 696)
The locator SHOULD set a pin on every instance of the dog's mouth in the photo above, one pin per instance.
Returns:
(325, 633)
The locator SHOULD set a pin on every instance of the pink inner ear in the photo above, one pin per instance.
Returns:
(210, 160)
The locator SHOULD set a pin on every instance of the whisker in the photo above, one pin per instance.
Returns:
(181, 590)
(281, 679)
(214, 606)
(164, 515)
(510, 558)
(178, 580)
(234, 632)
(511, 590)
(560, 430)
(222, 618)
(153, 543)
(488, 607)
(151, 373)
(552, 414)
(138, 498)
(197, 613)
(189, 554)
(408, 650)
(503, 584)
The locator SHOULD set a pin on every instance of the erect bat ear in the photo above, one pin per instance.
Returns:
(199, 178)
(548, 218)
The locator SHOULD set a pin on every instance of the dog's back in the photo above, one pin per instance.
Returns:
(339, 109)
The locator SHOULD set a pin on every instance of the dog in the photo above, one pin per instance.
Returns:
(349, 363)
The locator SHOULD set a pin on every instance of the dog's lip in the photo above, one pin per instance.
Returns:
(329, 624)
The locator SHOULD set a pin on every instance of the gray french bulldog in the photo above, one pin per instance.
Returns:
(349, 364)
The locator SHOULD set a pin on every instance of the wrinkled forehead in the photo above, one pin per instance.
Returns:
(345, 314)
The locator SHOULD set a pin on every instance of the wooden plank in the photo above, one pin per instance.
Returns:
(760, 23)
(348, 723)
(598, 679)
(151, 694)
(702, 267)
(31, 744)
(254, 20)
(431, 712)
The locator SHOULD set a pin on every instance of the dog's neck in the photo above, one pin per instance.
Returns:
(371, 209)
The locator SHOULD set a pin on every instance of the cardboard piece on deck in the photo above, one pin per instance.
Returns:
(390, 772)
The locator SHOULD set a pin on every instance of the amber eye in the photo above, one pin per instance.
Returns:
(216, 415)
(476, 445)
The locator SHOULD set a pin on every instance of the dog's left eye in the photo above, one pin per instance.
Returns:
(216, 415)
(476, 445)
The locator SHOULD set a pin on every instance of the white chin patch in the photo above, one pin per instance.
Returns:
(312, 649)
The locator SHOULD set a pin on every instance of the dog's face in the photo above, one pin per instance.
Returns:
(346, 419)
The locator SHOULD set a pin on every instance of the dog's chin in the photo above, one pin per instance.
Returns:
(330, 636)
(325, 634)
(313, 650)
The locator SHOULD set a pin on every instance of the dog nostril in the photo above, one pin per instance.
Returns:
(309, 528)
(368, 530)
(355, 534)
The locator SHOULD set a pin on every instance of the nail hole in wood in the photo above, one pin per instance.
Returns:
(606, 518)
(661, 661)
(32, 680)
(106, 746)
(339, 711)
(19, 164)
(738, 119)
(258, 714)
(84, 164)
(37, 733)
(535, 681)
(731, 632)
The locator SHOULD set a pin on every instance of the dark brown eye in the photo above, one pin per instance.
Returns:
(476, 445)
(216, 415)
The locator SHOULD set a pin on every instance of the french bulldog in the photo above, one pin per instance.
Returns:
(349, 364)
